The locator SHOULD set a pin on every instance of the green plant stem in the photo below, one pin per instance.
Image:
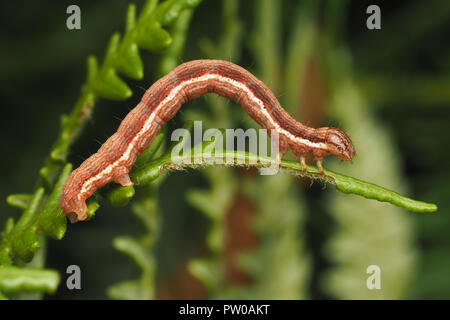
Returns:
(41, 209)
(215, 201)
(343, 183)
(171, 57)
(140, 249)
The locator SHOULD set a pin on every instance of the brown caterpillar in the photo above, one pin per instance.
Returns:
(116, 156)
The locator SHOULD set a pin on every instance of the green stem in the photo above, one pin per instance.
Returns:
(42, 212)
(343, 183)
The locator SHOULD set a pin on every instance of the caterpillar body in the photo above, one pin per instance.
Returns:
(161, 101)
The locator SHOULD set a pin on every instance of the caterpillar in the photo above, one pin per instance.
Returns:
(161, 101)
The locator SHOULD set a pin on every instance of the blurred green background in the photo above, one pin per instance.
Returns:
(229, 232)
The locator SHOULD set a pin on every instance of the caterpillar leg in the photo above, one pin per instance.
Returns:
(303, 162)
(301, 154)
(319, 165)
(319, 154)
(121, 177)
(283, 147)
(124, 180)
(280, 156)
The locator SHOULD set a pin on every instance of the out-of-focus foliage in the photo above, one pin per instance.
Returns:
(122, 56)
(146, 208)
(367, 231)
(387, 90)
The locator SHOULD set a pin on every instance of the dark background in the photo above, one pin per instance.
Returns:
(43, 67)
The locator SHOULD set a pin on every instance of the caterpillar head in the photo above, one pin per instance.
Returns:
(72, 206)
(340, 144)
